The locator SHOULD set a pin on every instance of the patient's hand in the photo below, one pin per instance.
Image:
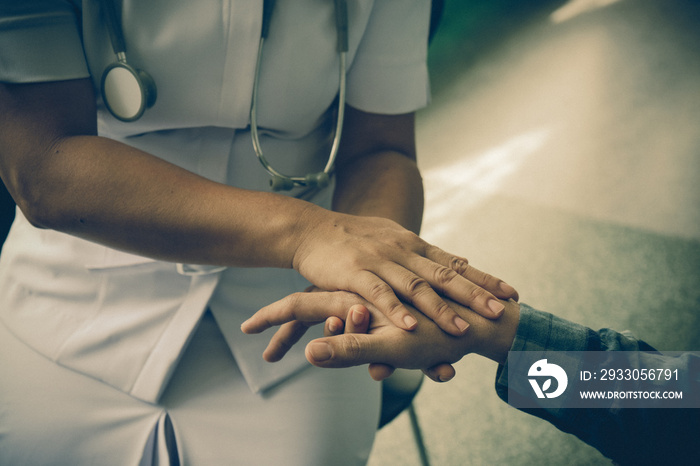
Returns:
(369, 337)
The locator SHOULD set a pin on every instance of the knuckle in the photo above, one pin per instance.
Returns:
(479, 277)
(459, 265)
(340, 298)
(491, 282)
(353, 346)
(354, 262)
(444, 276)
(292, 301)
(414, 240)
(417, 285)
(430, 250)
(441, 310)
(476, 293)
(393, 308)
(406, 240)
(378, 290)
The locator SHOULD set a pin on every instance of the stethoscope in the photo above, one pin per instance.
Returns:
(128, 91)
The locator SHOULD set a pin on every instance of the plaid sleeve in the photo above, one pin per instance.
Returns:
(628, 436)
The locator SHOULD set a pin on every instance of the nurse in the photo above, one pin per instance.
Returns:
(141, 244)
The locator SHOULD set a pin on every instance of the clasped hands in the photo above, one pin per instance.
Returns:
(391, 300)
(357, 333)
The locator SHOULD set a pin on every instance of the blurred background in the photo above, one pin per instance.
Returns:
(561, 152)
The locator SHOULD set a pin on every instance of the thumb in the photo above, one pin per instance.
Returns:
(346, 350)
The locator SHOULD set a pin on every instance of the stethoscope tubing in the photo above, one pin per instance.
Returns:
(255, 136)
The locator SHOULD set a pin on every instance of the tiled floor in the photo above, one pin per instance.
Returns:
(562, 153)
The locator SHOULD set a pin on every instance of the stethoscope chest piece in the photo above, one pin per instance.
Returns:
(127, 91)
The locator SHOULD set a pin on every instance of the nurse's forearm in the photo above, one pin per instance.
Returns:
(111, 193)
(376, 171)
(66, 178)
(385, 184)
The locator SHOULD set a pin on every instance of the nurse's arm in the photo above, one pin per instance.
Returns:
(65, 177)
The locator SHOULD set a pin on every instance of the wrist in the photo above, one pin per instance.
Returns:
(308, 221)
(381, 184)
(500, 334)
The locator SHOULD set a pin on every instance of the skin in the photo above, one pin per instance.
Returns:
(356, 333)
(65, 177)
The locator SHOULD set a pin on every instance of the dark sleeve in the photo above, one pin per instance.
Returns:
(626, 435)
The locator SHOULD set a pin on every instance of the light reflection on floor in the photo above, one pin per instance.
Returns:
(574, 8)
(469, 181)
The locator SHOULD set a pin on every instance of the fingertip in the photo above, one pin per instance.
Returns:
(334, 326)
(496, 308)
(461, 325)
(440, 373)
(271, 356)
(457, 327)
(508, 290)
(380, 372)
(244, 327)
(358, 314)
(253, 326)
(447, 375)
(318, 352)
(410, 322)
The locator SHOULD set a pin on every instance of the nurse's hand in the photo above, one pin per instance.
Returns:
(387, 264)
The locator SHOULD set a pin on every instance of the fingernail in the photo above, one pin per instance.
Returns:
(320, 351)
(357, 317)
(506, 288)
(444, 379)
(496, 307)
(333, 326)
(243, 325)
(461, 324)
(410, 321)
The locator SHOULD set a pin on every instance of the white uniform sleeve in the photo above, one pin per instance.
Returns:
(40, 40)
(389, 74)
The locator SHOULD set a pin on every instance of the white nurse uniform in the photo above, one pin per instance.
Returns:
(108, 342)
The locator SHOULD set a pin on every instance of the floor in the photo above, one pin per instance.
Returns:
(561, 153)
